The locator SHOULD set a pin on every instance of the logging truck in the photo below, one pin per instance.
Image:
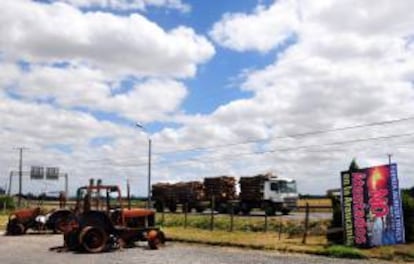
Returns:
(266, 192)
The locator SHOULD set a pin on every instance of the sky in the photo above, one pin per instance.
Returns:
(294, 87)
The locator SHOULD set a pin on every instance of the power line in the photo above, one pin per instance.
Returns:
(316, 132)
(234, 156)
(298, 135)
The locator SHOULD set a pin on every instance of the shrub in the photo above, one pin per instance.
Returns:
(7, 201)
(408, 210)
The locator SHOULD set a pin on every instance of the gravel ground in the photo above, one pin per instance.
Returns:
(34, 248)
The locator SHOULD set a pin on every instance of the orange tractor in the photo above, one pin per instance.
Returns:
(22, 220)
(100, 222)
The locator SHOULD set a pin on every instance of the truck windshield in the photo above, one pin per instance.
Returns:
(287, 187)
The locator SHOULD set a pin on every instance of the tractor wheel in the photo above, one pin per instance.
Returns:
(15, 229)
(155, 239)
(71, 240)
(93, 239)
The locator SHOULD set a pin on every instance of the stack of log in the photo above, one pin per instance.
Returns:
(251, 188)
(163, 192)
(189, 191)
(222, 188)
(178, 192)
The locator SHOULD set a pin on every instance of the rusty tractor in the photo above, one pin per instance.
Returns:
(24, 219)
(100, 222)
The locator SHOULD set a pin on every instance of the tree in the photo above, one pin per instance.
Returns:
(353, 166)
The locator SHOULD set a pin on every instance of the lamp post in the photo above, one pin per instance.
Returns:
(149, 164)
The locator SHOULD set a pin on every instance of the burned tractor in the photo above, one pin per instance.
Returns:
(23, 219)
(101, 222)
(33, 218)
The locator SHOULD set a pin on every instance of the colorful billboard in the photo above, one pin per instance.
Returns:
(371, 207)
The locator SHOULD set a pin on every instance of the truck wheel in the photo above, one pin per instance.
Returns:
(285, 211)
(222, 209)
(245, 209)
(172, 208)
(199, 209)
(93, 239)
(159, 207)
(270, 210)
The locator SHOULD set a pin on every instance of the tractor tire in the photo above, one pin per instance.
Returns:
(71, 240)
(15, 229)
(93, 239)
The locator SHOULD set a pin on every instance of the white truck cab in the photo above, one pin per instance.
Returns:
(281, 191)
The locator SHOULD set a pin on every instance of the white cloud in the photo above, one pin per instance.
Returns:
(91, 89)
(343, 70)
(130, 4)
(263, 30)
(128, 45)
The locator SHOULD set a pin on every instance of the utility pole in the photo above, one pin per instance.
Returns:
(149, 173)
(10, 183)
(389, 158)
(66, 185)
(20, 174)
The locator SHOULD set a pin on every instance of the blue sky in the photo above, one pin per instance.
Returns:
(221, 81)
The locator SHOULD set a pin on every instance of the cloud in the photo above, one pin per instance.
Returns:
(46, 33)
(81, 87)
(263, 30)
(130, 4)
(343, 70)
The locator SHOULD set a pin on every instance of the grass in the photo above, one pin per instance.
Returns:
(246, 224)
(249, 233)
(345, 252)
(3, 220)
(270, 241)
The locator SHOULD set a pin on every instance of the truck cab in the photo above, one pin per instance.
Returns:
(281, 191)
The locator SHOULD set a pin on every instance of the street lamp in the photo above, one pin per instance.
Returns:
(149, 164)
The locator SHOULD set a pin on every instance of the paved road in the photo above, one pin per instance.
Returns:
(35, 249)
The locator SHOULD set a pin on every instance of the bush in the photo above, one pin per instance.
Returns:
(7, 201)
(408, 210)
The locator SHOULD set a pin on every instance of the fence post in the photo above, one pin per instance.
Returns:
(280, 229)
(305, 234)
(162, 212)
(185, 214)
(212, 213)
(265, 227)
(231, 217)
